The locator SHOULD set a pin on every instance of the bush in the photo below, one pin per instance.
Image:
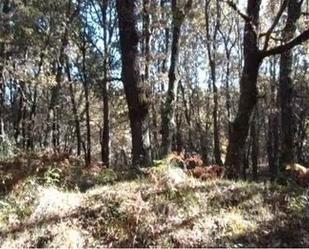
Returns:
(106, 176)
(19, 204)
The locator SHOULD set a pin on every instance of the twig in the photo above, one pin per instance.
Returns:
(275, 22)
(234, 7)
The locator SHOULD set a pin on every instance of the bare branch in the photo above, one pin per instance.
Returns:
(303, 37)
(275, 22)
(234, 7)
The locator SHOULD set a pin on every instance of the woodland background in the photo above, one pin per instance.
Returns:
(187, 69)
(154, 123)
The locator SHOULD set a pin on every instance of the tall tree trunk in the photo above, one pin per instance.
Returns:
(254, 133)
(19, 125)
(187, 114)
(5, 10)
(163, 64)
(211, 51)
(168, 115)
(248, 93)
(87, 146)
(32, 114)
(248, 89)
(273, 124)
(105, 140)
(135, 91)
(286, 87)
(74, 110)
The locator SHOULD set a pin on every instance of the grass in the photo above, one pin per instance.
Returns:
(166, 208)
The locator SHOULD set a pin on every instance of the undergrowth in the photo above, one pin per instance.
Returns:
(166, 208)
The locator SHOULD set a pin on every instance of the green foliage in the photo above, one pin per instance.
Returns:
(19, 205)
(7, 149)
(299, 204)
(53, 176)
(106, 176)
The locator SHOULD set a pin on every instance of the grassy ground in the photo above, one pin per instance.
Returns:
(166, 208)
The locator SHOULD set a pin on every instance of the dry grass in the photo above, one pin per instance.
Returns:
(165, 209)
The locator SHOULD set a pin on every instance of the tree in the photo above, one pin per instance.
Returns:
(5, 11)
(286, 86)
(248, 82)
(168, 115)
(211, 45)
(136, 93)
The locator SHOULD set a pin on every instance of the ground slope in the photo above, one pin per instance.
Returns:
(166, 209)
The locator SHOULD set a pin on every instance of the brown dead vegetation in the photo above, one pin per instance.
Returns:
(17, 169)
(300, 173)
(194, 165)
(207, 173)
(186, 161)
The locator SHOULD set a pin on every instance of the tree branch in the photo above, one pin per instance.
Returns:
(113, 79)
(234, 7)
(289, 45)
(275, 22)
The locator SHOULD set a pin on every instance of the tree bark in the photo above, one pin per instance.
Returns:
(87, 146)
(74, 110)
(168, 115)
(248, 83)
(5, 10)
(286, 87)
(211, 50)
(255, 145)
(105, 140)
(135, 91)
(273, 124)
(248, 93)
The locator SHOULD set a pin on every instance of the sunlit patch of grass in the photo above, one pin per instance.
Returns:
(18, 205)
(235, 223)
(299, 205)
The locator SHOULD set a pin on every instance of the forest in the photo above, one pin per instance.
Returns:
(154, 123)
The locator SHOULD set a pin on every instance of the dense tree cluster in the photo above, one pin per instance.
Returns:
(130, 81)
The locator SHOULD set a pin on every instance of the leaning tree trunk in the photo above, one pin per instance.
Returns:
(135, 91)
(286, 87)
(168, 114)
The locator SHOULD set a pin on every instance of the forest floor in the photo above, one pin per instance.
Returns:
(57, 203)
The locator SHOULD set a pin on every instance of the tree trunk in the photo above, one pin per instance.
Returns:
(286, 87)
(87, 146)
(105, 140)
(32, 114)
(75, 112)
(135, 91)
(248, 93)
(168, 115)
(255, 145)
(19, 114)
(273, 124)
(5, 10)
(211, 50)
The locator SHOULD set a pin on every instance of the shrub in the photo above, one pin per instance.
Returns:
(106, 176)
